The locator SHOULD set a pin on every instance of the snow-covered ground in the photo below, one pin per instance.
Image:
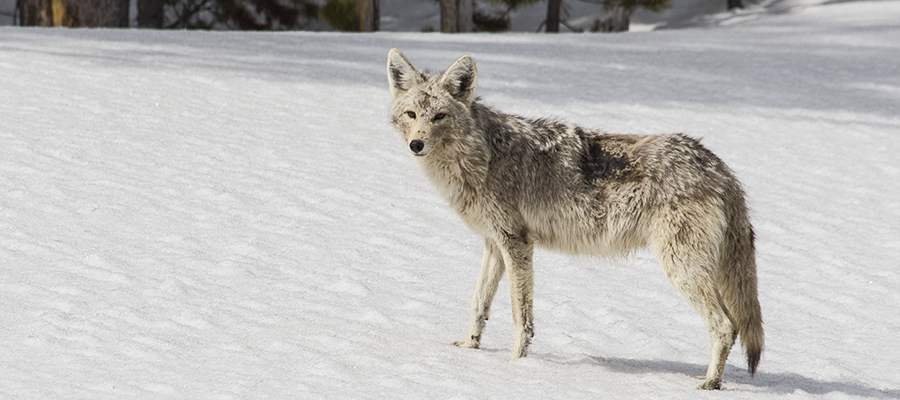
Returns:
(230, 215)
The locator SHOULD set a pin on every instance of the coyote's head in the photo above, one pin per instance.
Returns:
(431, 112)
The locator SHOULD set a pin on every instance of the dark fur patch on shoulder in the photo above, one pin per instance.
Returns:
(603, 164)
(604, 160)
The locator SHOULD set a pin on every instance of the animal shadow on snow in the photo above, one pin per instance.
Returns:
(775, 382)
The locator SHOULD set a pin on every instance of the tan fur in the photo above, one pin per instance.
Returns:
(522, 183)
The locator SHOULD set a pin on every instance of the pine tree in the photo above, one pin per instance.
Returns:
(498, 19)
(240, 14)
(340, 15)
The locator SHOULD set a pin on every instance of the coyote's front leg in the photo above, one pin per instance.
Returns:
(491, 272)
(517, 255)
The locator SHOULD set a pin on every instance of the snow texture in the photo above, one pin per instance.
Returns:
(215, 215)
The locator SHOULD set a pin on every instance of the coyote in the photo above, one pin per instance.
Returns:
(523, 182)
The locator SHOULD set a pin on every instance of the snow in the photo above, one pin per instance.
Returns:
(230, 215)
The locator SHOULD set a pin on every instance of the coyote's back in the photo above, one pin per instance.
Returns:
(523, 182)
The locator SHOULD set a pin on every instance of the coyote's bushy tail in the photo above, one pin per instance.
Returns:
(737, 281)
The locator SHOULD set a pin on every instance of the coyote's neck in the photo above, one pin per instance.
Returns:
(460, 167)
(458, 180)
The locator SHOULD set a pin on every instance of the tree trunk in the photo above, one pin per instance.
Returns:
(367, 11)
(553, 15)
(456, 16)
(150, 14)
(449, 16)
(124, 11)
(464, 16)
(95, 13)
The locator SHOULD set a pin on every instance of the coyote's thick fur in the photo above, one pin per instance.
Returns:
(522, 183)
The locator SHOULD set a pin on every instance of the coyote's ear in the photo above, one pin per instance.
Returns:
(460, 79)
(402, 75)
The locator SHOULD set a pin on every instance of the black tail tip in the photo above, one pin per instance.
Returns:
(752, 363)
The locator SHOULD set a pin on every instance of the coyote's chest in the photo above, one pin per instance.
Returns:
(474, 203)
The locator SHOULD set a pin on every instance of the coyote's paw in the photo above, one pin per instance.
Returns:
(471, 343)
(714, 384)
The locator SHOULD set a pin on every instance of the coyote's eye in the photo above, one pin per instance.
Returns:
(411, 114)
(439, 116)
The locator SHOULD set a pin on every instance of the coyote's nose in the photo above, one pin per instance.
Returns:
(416, 145)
